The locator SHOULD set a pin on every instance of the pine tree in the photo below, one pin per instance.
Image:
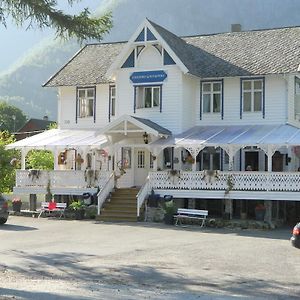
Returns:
(44, 13)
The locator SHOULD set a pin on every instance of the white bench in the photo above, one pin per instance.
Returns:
(186, 213)
(58, 207)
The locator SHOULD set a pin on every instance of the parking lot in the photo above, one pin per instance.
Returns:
(64, 259)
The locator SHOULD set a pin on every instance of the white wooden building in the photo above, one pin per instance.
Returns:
(130, 114)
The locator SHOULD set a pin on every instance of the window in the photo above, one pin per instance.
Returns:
(85, 102)
(141, 159)
(211, 96)
(252, 95)
(112, 94)
(148, 96)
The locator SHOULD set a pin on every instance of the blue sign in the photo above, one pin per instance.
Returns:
(148, 76)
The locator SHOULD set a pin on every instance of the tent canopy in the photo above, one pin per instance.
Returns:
(240, 135)
(60, 138)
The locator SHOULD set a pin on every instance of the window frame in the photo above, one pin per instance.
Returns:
(144, 87)
(112, 102)
(78, 102)
(252, 91)
(211, 93)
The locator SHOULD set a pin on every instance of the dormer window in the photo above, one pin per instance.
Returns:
(86, 102)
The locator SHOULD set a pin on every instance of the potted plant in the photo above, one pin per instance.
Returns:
(170, 210)
(78, 208)
(16, 204)
(260, 211)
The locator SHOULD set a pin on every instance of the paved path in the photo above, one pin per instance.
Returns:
(61, 259)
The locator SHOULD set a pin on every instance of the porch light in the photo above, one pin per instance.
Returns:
(145, 137)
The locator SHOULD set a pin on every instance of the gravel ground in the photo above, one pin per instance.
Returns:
(62, 259)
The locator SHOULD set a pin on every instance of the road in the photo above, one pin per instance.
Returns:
(65, 259)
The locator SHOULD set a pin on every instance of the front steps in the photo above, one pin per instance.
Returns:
(121, 207)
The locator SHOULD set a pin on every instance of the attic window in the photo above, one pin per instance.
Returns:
(141, 36)
(150, 35)
(168, 60)
(129, 63)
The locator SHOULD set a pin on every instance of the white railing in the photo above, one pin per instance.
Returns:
(104, 192)
(143, 193)
(61, 178)
(224, 180)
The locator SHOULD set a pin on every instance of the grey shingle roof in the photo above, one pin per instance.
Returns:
(88, 66)
(260, 52)
(155, 126)
(272, 51)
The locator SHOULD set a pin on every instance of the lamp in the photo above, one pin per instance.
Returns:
(145, 137)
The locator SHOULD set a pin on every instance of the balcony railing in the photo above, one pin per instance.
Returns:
(61, 179)
(226, 180)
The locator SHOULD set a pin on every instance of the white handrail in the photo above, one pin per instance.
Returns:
(107, 187)
(142, 195)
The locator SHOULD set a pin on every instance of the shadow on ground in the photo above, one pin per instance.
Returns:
(81, 269)
(11, 227)
(277, 234)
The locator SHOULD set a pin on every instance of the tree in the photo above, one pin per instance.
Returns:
(11, 117)
(40, 160)
(44, 14)
(7, 171)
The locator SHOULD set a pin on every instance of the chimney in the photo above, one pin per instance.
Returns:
(236, 27)
(45, 118)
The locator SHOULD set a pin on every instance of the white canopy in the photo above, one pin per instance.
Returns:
(240, 135)
(60, 138)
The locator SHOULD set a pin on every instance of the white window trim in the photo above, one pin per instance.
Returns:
(85, 99)
(211, 93)
(252, 90)
(144, 87)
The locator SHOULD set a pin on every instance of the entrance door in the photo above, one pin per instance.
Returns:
(142, 166)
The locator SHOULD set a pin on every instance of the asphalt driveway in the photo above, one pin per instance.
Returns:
(63, 259)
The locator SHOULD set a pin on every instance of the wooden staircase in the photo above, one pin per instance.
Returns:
(121, 207)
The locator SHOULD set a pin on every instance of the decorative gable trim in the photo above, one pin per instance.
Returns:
(131, 44)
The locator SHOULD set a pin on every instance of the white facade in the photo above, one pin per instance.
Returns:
(178, 102)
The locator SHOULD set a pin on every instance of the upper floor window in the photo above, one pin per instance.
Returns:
(85, 102)
(211, 96)
(252, 95)
(148, 96)
(112, 100)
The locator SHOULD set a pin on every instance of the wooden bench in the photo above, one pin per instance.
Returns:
(186, 213)
(53, 207)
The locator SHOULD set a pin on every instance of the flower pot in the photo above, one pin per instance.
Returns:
(17, 206)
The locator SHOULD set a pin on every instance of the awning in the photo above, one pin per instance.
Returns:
(61, 138)
(240, 135)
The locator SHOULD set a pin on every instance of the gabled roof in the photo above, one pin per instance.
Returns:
(259, 52)
(38, 124)
(127, 124)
